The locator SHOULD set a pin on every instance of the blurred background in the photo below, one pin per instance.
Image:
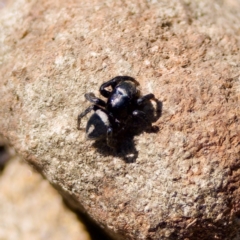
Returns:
(30, 208)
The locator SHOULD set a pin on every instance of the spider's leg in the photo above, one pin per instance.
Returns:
(142, 115)
(93, 99)
(111, 142)
(114, 135)
(158, 108)
(83, 114)
(109, 132)
(113, 83)
(145, 98)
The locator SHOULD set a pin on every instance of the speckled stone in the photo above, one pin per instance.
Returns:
(179, 183)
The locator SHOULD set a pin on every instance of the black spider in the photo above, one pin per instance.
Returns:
(111, 118)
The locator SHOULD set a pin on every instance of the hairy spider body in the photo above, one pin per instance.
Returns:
(112, 117)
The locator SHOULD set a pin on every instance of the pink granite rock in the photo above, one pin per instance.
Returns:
(181, 183)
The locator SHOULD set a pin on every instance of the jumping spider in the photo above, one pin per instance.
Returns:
(111, 118)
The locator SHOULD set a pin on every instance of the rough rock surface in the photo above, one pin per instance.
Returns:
(182, 182)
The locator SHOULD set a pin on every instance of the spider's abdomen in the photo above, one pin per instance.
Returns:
(97, 125)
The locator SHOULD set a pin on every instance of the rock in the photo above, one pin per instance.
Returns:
(179, 183)
(31, 209)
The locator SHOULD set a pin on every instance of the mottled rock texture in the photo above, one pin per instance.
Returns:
(180, 183)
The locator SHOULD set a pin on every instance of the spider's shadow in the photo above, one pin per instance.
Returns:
(126, 149)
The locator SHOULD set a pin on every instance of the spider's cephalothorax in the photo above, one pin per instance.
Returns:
(112, 117)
